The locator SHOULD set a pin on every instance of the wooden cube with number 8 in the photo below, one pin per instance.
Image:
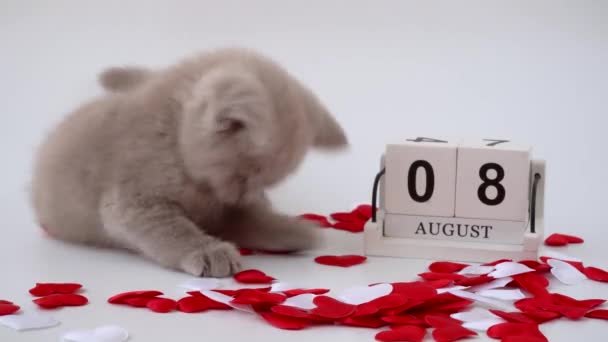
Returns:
(421, 177)
(492, 180)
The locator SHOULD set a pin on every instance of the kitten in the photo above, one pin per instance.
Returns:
(173, 163)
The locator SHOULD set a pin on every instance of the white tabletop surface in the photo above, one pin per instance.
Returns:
(29, 257)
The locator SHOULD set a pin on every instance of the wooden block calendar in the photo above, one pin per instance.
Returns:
(471, 200)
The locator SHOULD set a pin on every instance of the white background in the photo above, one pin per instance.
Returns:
(531, 71)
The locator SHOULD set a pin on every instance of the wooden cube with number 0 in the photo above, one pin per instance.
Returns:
(421, 177)
(492, 180)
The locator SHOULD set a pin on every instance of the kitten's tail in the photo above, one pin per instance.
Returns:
(119, 79)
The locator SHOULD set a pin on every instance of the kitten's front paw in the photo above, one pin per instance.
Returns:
(219, 259)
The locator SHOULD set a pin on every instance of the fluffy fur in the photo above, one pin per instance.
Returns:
(173, 163)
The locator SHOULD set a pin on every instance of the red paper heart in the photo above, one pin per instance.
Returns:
(363, 211)
(345, 217)
(438, 276)
(364, 321)
(532, 282)
(257, 297)
(320, 220)
(599, 314)
(557, 239)
(7, 308)
(573, 308)
(596, 274)
(60, 299)
(385, 302)
(232, 293)
(503, 330)
(119, 298)
(415, 290)
(496, 262)
(198, 302)
(245, 251)
(162, 305)
(535, 265)
(289, 311)
(536, 308)
(45, 289)
(253, 277)
(340, 260)
(330, 308)
(403, 320)
(452, 333)
(411, 333)
(515, 317)
(353, 227)
(446, 267)
(472, 281)
(285, 322)
(577, 264)
(138, 302)
(297, 292)
(441, 321)
(438, 284)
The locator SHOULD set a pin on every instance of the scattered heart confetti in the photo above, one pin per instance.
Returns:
(331, 308)
(108, 333)
(7, 308)
(353, 227)
(415, 290)
(28, 321)
(452, 288)
(289, 311)
(557, 239)
(119, 298)
(340, 260)
(58, 300)
(389, 301)
(439, 276)
(373, 322)
(403, 319)
(259, 298)
(596, 274)
(484, 300)
(363, 294)
(446, 267)
(478, 280)
(506, 294)
(477, 270)
(253, 277)
(532, 282)
(303, 301)
(410, 333)
(600, 314)
(440, 321)
(514, 317)
(483, 325)
(199, 284)
(537, 266)
(508, 269)
(45, 289)
(198, 302)
(162, 305)
(227, 300)
(565, 272)
(494, 284)
(549, 254)
(285, 322)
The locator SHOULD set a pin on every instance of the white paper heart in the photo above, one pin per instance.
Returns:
(507, 269)
(483, 325)
(200, 284)
(558, 255)
(362, 294)
(451, 288)
(477, 270)
(504, 294)
(483, 300)
(280, 287)
(28, 321)
(565, 272)
(107, 333)
(303, 301)
(475, 314)
(494, 284)
(222, 298)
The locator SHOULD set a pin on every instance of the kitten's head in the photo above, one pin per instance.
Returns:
(245, 129)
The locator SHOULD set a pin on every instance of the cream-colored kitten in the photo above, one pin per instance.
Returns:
(173, 163)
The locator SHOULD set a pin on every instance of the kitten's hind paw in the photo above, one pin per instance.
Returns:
(220, 259)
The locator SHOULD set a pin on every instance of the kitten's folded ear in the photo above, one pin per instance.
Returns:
(328, 132)
(119, 79)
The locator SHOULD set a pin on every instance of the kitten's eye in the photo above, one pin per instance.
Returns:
(230, 126)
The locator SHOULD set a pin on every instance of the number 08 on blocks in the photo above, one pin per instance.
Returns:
(469, 200)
